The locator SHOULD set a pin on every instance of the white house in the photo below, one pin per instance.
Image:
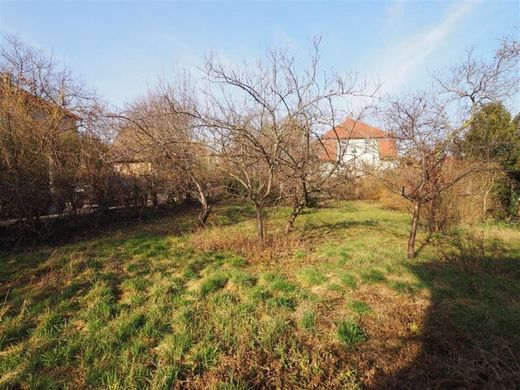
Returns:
(357, 143)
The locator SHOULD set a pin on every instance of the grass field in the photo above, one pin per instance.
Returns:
(162, 305)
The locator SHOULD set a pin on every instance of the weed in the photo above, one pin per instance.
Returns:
(406, 287)
(213, 283)
(271, 330)
(279, 282)
(308, 321)
(233, 385)
(360, 307)
(414, 328)
(350, 333)
(312, 276)
(243, 279)
(344, 256)
(373, 276)
(348, 280)
(259, 294)
(174, 346)
(205, 357)
(284, 302)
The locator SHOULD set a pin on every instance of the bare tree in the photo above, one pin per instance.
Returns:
(41, 129)
(310, 160)
(164, 129)
(427, 126)
(266, 120)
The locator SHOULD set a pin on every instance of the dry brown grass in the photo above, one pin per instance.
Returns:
(245, 243)
(215, 289)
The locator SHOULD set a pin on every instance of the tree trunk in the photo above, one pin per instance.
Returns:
(260, 224)
(294, 214)
(413, 231)
(204, 214)
(203, 199)
(306, 196)
(484, 203)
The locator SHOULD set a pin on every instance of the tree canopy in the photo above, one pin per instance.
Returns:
(494, 135)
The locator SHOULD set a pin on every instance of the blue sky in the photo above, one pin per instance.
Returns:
(120, 48)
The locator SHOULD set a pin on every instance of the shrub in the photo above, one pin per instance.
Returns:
(470, 200)
(368, 188)
(393, 201)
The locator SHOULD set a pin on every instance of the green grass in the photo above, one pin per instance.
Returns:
(213, 283)
(360, 307)
(373, 276)
(350, 333)
(308, 321)
(312, 276)
(348, 280)
(147, 308)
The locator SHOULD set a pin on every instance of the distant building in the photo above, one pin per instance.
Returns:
(133, 167)
(357, 143)
(128, 153)
(38, 107)
(26, 116)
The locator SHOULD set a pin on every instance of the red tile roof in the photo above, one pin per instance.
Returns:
(327, 150)
(355, 129)
(387, 148)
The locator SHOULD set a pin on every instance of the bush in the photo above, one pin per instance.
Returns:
(368, 188)
(470, 200)
(393, 201)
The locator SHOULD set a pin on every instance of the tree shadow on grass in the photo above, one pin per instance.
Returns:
(73, 228)
(60, 282)
(471, 334)
(234, 214)
(326, 230)
(345, 207)
(50, 275)
(329, 227)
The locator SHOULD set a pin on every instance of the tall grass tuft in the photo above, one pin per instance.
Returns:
(350, 333)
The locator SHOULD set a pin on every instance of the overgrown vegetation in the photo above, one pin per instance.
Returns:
(267, 134)
(152, 307)
(290, 288)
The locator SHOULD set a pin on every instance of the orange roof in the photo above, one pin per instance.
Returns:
(327, 150)
(354, 129)
(387, 148)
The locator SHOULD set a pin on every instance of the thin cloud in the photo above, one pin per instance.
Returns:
(401, 60)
